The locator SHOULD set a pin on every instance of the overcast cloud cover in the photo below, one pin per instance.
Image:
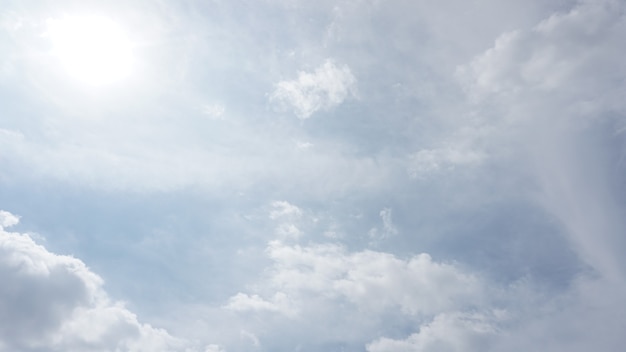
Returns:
(286, 175)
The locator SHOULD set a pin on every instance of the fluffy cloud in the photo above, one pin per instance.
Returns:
(55, 303)
(376, 280)
(7, 219)
(456, 332)
(319, 291)
(328, 86)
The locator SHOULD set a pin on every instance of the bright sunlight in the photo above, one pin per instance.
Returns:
(92, 49)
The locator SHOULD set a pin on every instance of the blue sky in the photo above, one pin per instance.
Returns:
(286, 175)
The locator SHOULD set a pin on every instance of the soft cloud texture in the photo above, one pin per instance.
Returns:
(328, 86)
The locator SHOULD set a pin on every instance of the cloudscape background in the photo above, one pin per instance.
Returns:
(341, 175)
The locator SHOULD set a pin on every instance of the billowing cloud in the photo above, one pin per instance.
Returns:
(325, 88)
(55, 303)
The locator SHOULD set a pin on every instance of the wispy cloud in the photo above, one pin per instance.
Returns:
(323, 89)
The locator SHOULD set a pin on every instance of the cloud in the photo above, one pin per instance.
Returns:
(327, 87)
(7, 219)
(243, 302)
(454, 332)
(281, 209)
(371, 279)
(213, 348)
(555, 93)
(429, 161)
(389, 229)
(322, 292)
(568, 56)
(55, 303)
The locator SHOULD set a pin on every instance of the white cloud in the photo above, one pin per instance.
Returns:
(455, 332)
(54, 302)
(284, 209)
(7, 219)
(288, 231)
(328, 86)
(289, 218)
(428, 161)
(376, 280)
(243, 302)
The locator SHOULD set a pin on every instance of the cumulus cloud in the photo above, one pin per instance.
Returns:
(325, 88)
(55, 303)
(355, 297)
(371, 279)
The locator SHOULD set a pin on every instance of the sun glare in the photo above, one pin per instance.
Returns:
(92, 49)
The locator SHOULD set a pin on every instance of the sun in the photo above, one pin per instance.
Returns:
(92, 49)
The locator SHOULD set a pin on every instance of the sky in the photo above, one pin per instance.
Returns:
(333, 175)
